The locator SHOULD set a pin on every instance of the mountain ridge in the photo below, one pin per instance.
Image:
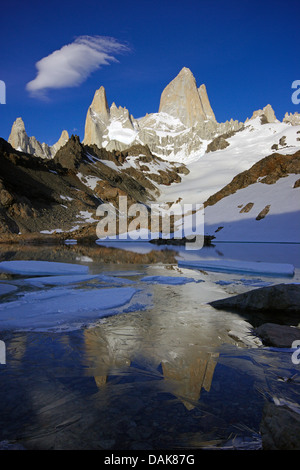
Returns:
(114, 128)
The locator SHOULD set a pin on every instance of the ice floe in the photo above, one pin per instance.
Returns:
(63, 307)
(7, 289)
(247, 267)
(168, 280)
(59, 280)
(29, 267)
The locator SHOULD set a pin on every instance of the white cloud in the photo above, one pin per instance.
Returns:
(72, 64)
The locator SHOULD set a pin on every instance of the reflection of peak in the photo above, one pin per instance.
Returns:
(187, 380)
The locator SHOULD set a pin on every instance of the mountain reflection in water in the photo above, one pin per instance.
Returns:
(176, 374)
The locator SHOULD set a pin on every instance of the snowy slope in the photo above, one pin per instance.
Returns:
(210, 172)
(281, 224)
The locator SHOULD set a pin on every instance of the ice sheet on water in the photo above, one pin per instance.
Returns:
(59, 280)
(7, 289)
(75, 279)
(27, 267)
(168, 280)
(246, 267)
(56, 307)
(113, 280)
(245, 282)
(122, 273)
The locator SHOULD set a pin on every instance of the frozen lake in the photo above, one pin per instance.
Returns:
(116, 347)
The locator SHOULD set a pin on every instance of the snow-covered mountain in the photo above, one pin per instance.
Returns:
(213, 170)
(249, 188)
(182, 154)
(179, 131)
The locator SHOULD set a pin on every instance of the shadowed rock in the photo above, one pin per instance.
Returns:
(281, 297)
(279, 336)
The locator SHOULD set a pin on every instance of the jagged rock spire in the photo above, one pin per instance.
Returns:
(97, 119)
(205, 103)
(182, 99)
(19, 140)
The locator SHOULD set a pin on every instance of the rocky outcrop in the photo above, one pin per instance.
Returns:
(20, 141)
(39, 195)
(219, 143)
(111, 128)
(293, 119)
(60, 143)
(280, 427)
(277, 298)
(279, 336)
(266, 171)
(58, 194)
(266, 115)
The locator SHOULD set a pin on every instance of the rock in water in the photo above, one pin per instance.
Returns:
(278, 336)
(281, 297)
(280, 428)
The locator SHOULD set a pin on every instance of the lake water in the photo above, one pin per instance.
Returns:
(153, 365)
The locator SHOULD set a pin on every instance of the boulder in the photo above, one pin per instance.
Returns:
(279, 336)
(280, 298)
(219, 143)
(280, 428)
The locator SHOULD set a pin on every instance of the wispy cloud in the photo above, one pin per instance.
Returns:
(73, 63)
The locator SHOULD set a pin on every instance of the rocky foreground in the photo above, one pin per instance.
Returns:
(50, 197)
(280, 301)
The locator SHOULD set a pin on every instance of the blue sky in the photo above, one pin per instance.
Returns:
(246, 52)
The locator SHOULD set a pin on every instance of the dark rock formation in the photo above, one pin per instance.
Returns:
(280, 428)
(247, 207)
(219, 143)
(280, 297)
(263, 213)
(38, 194)
(279, 336)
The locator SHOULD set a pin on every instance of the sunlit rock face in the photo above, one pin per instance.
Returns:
(176, 132)
(181, 99)
(19, 140)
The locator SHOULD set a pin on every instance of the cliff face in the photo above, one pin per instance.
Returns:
(181, 99)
